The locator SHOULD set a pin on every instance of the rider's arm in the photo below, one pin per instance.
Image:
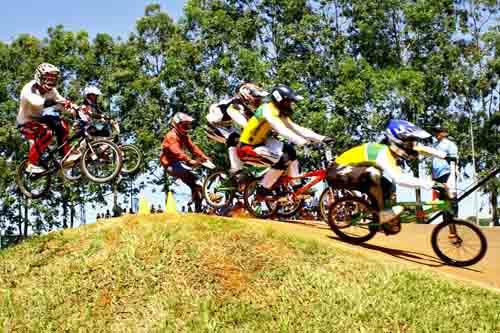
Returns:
(57, 96)
(63, 104)
(237, 116)
(304, 132)
(28, 94)
(195, 150)
(387, 163)
(281, 128)
(215, 114)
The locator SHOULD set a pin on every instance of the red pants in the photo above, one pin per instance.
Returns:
(41, 133)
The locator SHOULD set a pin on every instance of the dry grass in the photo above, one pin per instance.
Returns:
(195, 273)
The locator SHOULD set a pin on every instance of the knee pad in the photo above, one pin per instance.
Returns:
(282, 163)
(388, 189)
(289, 154)
(289, 150)
(373, 175)
(232, 140)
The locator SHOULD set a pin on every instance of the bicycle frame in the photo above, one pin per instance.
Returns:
(411, 209)
(78, 137)
(410, 213)
(317, 175)
(249, 169)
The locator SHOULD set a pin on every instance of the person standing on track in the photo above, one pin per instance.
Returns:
(443, 171)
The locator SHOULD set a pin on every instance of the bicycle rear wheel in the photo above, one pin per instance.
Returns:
(328, 197)
(353, 219)
(459, 243)
(33, 186)
(132, 159)
(102, 161)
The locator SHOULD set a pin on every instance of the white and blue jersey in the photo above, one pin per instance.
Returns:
(442, 167)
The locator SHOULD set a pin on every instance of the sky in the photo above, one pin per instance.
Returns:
(115, 17)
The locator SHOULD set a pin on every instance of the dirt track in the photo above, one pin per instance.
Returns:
(411, 246)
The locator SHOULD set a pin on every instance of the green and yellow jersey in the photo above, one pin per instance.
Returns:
(381, 157)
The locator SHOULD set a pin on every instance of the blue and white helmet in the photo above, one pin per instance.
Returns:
(91, 90)
(402, 136)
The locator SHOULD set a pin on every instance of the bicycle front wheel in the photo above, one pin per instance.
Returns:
(32, 185)
(102, 161)
(328, 197)
(219, 189)
(459, 243)
(259, 207)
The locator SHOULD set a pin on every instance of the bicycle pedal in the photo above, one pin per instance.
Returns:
(283, 200)
(215, 197)
(391, 229)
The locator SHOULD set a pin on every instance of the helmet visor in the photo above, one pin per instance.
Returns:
(296, 98)
(50, 80)
(257, 92)
(184, 126)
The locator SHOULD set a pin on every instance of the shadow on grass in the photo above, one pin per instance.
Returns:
(416, 257)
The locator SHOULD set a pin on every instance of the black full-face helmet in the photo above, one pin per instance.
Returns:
(284, 97)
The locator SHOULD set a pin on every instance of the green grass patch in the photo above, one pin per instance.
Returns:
(195, 274)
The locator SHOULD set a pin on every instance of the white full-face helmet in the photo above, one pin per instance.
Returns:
(47, 75)
(90, 93)
(182, 122)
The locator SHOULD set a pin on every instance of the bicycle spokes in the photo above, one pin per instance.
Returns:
(32, 185)
(102, 161)
(354, 218)
(258, 206)
(218, 189)
(459, 243)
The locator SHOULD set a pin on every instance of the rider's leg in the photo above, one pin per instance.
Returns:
(381, 190)
(377, 193)
(178, 170)
(62, 133)
(196, 197)
(443, 179)
(289, 153)
(234, 160)
(235, 163)
(293, 169)
(451, 184)
(279, 168)
(57, 125)
(275, 172)
(61, 129)
(41, 136)
(450, 180)
(271, 177)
